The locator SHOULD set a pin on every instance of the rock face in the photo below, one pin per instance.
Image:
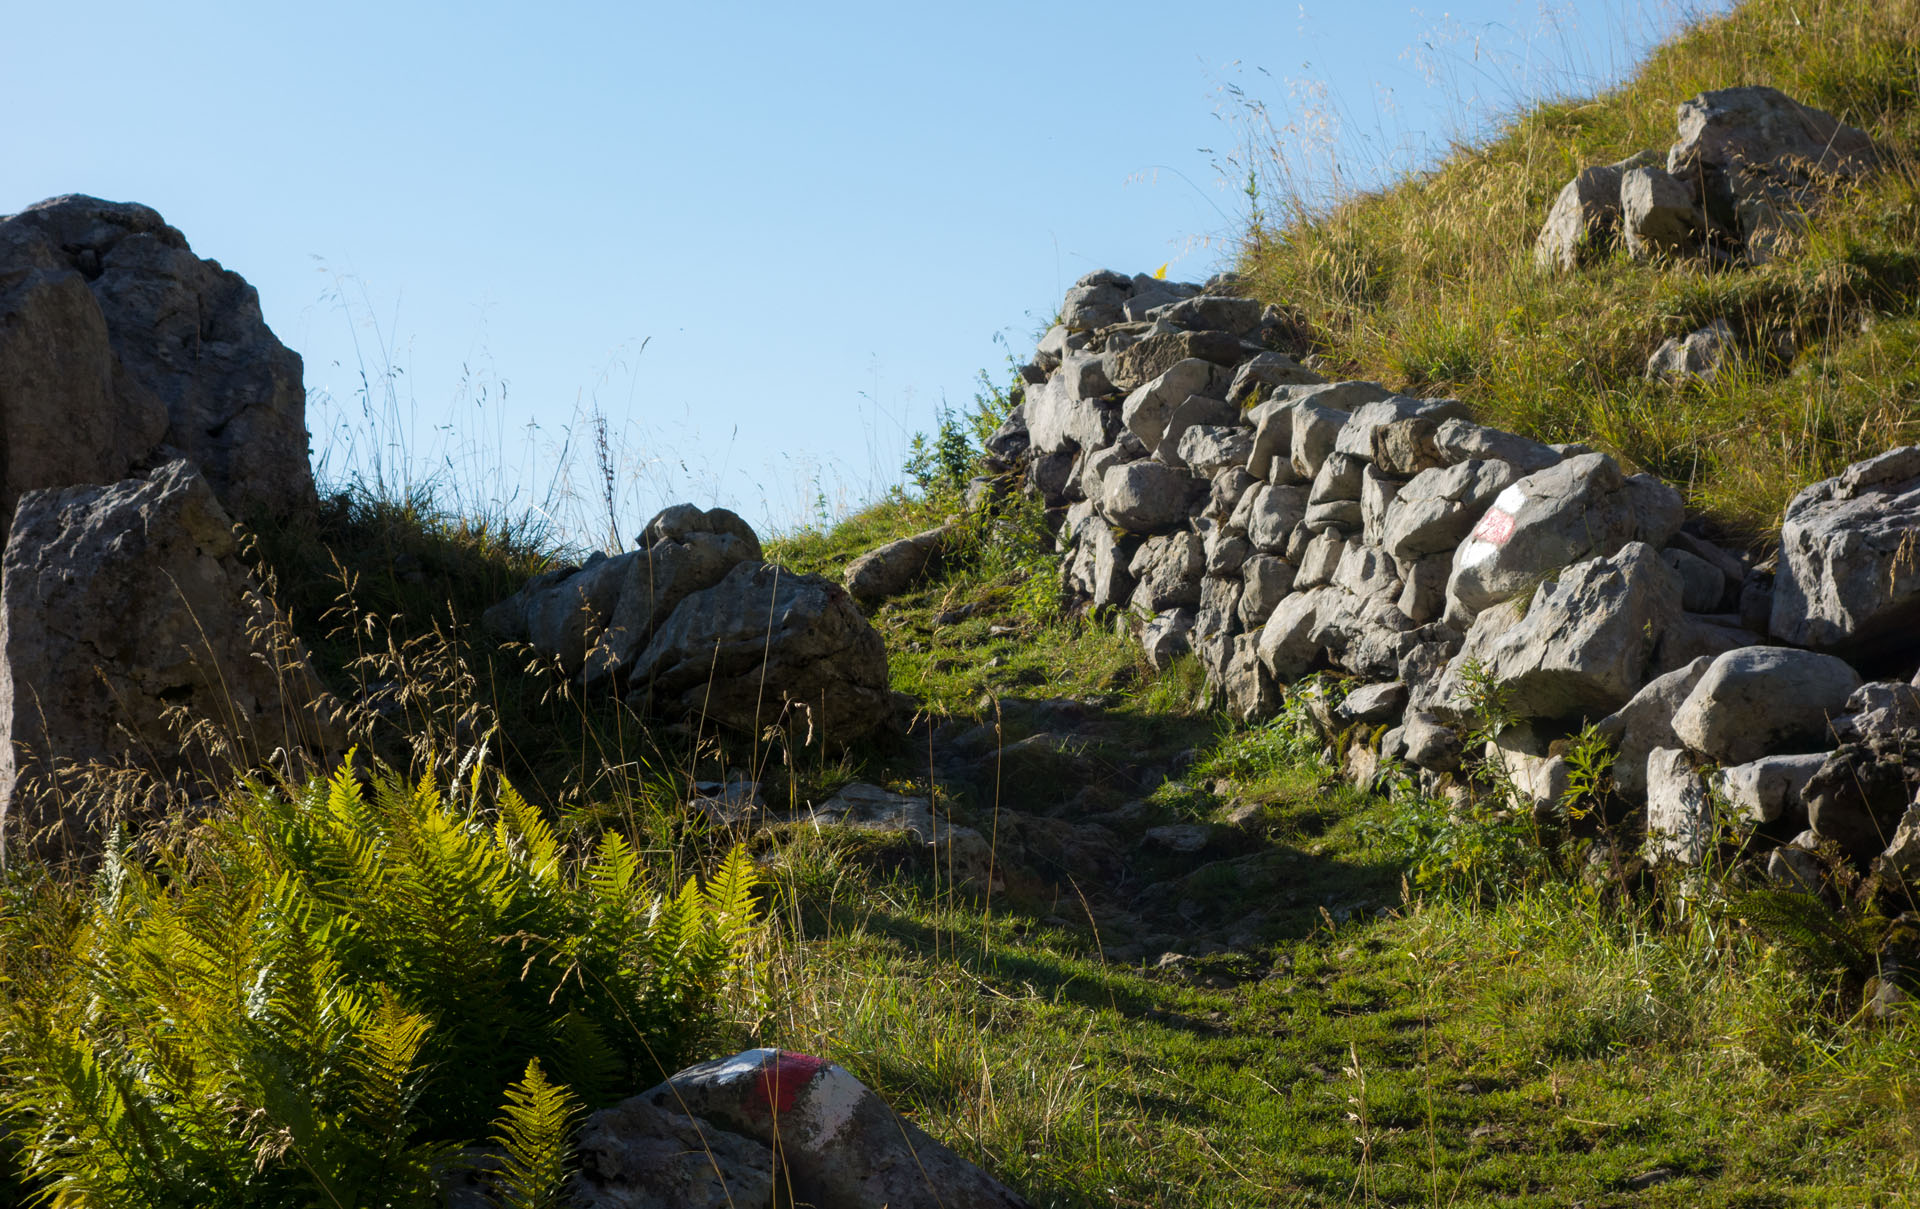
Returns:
(788, 1120)
(765, 645)
(120, 349)
(1700, 356)
(1848, 580)
(126, 614)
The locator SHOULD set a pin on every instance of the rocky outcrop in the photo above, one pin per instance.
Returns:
(127, 620)
(120, 350)
(695, 624)
(1748, 166)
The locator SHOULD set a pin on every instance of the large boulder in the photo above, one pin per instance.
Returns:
(1847, 578)
(1659, 214)
(1437, 508)
(839, 1144)
(121, 349)
(1764, 699)
(1148, 496)
(636, 1155)
(765, 645)
(1581, 508)
(1586, 642)
(127, 617)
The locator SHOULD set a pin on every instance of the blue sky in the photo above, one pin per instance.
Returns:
(765, 242)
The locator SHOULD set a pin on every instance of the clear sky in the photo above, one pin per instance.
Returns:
(764, 241)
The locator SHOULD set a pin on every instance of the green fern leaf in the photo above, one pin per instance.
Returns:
(536, 1140)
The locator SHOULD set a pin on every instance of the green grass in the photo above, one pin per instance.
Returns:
(1429, 285)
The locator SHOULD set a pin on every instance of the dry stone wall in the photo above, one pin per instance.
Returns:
(1238, 506)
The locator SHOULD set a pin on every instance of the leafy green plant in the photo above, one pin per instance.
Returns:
(535, 1141)
(320, 996)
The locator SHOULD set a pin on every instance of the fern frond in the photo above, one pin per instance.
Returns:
(1820, 937)
(535, 1137)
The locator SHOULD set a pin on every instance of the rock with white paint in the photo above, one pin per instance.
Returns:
(841, 1145)
(1581, 508)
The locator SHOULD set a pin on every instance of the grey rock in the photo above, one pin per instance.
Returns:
(1099, 564)
(841, 1145)
(1051, 474)
(1770, 788)
(1344, 515)
(1094, 466)
(890, 569)
(1240, 316)
(1148, 497)
(1366, 572)
(1148, 408)
(120, 349)
(1793, 866)
(1259, 375)
(1321, 560)
(1658, 214)
(1680, 828)
(1166, 571)
(1702, 586)
(1196, 412)
(1859, 796)
(1699, 356)
(1373, 704)
(1759, 700)
(1646, 722)
(1287, 647)
(636, 1155)
(1271, 515)
(1227, 550)
(1084, 376)
(1902, 855)
(1429, 742)
(1377, 493)
(1265, 582)
(1219, 611)
(1465, 441)
(1584, 221)
(1884, 713)
(1088, 307)
(1763, 131)
(1157, 352)
(1339, 479)
(1577, 509)
(765, 645)
(1584, 647)
(1434, 512)
(1166, 637)
(128, 614)
(1208, 449)
(1406, 447)
(1692, 635)
(1316, 428)
(1272, 455)
(1058, 421)
(1847, 579)
(1358, 435)
(1423, 592)
(862, 807)
(1249, 688)
(678, 564)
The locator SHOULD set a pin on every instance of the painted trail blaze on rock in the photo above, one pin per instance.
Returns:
(1497, 525)
(784, 1075)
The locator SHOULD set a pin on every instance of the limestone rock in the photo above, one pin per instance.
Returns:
(1147, 410)
(1760, 700)
(1576, 509)
(1658, 215)
(119, 605)
(890, 569)
(1770, 788)
(1700, 356)
(1646, 722)
(862, 807)
(636, 1155)
(120, 349)
(1679, 810)
(1847, 580)
(765, 644)
(1147, 496)
(1585, 644)
(841, 1145)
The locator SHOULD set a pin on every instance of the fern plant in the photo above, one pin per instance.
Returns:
(535, 1143)
(323, 995)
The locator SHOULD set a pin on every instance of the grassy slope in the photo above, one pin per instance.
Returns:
(1430, 285)
(1361, 1049)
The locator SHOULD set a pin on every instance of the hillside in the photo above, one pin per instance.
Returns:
(1160, 799)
